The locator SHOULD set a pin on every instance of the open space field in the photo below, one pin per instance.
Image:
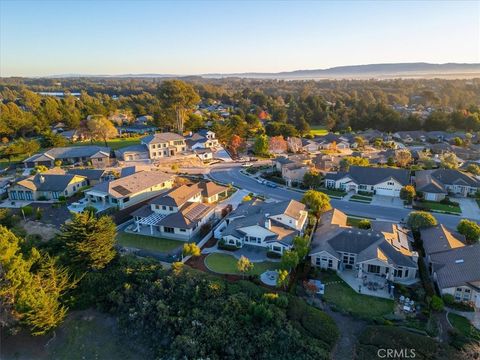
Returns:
(84, 335)
(115, 144)
(227, 264)
(436, 206)
(345, 299)
(147, 242)
(318, 130)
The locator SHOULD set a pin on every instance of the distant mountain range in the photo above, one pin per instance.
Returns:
(375, 71)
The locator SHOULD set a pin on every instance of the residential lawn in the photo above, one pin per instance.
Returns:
(432, 205)
(361, 198)
(227, 264)
(333, 192)
(115, 144)
(463, 326)
(345, 299)
(351, 221)
(318, 130)
(147, 242)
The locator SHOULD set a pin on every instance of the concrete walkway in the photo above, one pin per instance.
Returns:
(469, 208)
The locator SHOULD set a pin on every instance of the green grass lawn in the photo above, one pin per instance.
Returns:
(361, 198)
(115, 144)
(345, 299)
(333, 192)
(318, 130)
(227, 264)
(351, 221)
(147, 242)
(432, 205)
(463, 326)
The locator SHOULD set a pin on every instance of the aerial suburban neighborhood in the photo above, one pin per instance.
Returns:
(161, 198)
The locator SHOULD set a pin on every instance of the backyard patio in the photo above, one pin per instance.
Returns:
(368, 284)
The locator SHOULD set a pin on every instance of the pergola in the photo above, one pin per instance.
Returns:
(150, 220)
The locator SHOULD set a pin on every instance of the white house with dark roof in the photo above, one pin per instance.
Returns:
(162, 145)
(453, 265)
(267, 225)
(126, 191)
(436, 184)
(383, 251)
(178, 213)
(376, 180)
(202, 139)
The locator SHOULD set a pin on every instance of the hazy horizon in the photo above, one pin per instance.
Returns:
(46, 38)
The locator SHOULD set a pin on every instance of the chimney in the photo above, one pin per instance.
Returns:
(267, 221)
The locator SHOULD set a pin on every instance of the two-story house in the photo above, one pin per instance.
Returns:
(267, 225)
(162, 145)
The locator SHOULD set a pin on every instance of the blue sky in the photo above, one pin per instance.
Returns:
(193, 37)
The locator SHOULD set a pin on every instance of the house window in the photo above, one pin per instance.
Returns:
(126, 199)
(183, 230)
(374, 269)
(13, 195)
(115, 201)
(170, 208)
(164, 207)
(168, 229)
(317, 261)
(277, 248)
(406, 273)
(330, 263)
(154, 154)
(397, 273)
(28, 195)
(55, 195)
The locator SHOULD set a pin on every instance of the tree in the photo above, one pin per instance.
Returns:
(53, 140)
(436, 303)
(235, 143)
(277, 145)
(301, 245)
(408, 193)
(282, 280)
(89, 241)
(244, 265)
(403, 157)
(194, 123)
(473, 169)
(360, 142)
(470, 229)
(190, 249)
(178, 97)
(449, 161)
(364, 224)
(289, 260)
(317, 202)
(348, 161)
(312, 179)
(260, 146)
(101, 128)
(418, 220)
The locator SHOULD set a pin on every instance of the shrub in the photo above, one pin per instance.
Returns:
(229, 247)
(436, 304)
(62, 198)
(364, 224)
(448, 299)
(27, 210)
(6, 218)
(42, 198)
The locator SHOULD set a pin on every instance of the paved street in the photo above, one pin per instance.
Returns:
(230, 173)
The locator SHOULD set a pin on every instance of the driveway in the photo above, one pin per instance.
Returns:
(469, 207)
(389, 201)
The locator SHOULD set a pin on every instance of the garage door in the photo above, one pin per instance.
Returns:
(387, 192)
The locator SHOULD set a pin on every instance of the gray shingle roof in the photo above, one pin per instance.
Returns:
(69, 152)
(90, 174)
(457, 267)
(161, 138)
(435, 180)
(439, 238)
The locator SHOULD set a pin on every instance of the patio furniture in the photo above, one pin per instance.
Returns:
(407, 308)
(402, 299)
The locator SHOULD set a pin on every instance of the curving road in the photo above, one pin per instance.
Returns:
(230, 173)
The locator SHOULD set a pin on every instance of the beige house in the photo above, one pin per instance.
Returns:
(162, 145)
(128, 190)
(46, 186)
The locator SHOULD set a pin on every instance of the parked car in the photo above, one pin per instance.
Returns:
(271, 184)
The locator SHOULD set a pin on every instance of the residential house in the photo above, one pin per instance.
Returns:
(93, 176)
(47, 186)
(98, 156)
(128, 190)
(379, 181)
(133, 153)
(466, 153)
(178, 213)
(293, 168)
(266, 225)
(436, 184)
(143, 120)
(333, 142)
(162, 145)
(309, 145)
(325, 163)
(453, 265)
(204, 154)
(75, 135)
(410, 136)
(384, 251)
(203, 139)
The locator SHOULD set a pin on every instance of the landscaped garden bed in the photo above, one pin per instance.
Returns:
(333, 193)
(452, 208)
(227, 264)
(150, 243)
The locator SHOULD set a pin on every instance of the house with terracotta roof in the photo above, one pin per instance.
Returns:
(453, 265)
(272, 226)
(125, 191)
(383, 252)
(178, 213)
